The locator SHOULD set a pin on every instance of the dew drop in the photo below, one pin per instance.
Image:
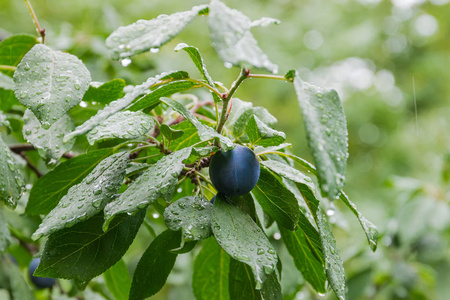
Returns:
(154, 50)
(125, 62)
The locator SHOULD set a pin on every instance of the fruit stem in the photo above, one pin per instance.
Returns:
(40, 31)
(227, 97)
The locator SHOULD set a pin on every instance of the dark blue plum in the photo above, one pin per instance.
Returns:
(39, 282)
(235, 172)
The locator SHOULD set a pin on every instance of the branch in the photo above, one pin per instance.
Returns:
(29, 147)
(30, 165)
(227, 97)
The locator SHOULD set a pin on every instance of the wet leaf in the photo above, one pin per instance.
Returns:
(49, 142)
(14, 48)
(333, 262)
(87, 198)
(50, 83)
(155, 265)
(211, 267)
(240, 114)
(120, 104)
(369, 228)
(261, 134)
(299, 244)
(170, 133)
(241, 282)
(232, 40)
(5, 235)
(149, 35)
(118, 280)
(326, 129)
(79, 252)
(104, 92)
(50, 188)
(242, 239)
(11, 181)
(122, 125)
(192, 215)
(158, 181)
(276, 200)
(289, 172)
(197, 59)
(204, 132)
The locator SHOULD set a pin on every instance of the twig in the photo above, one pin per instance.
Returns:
(29, 147)
(227, 97)
(40, 31)
(30, 165)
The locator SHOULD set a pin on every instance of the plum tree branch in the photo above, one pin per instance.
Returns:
(227, 97)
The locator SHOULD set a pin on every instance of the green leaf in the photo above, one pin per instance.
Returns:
(13, 49)
(49, 142)
(289, 172)
(241, 282)
(242, 239)
(197, 59)
(204, 132)
(6, 82)
(276, 200)
(7, 99)
(122, 125)
(326, 129)
(120, 104)
(87, 198)
(158, 181)
(155, 265)
(192, 215)
(148, 35)
(211, 267)
(85, 251)
(170, 133)
(271, 289)
(104, 92)
(50, 83)
(5, 235)
(19, 287)
(240, 114)
(118, 280)
(304, 259)
(333, 262)
(189, 137)
(50, 188)
(152, 99)
(261, 134)
(369, 228)
(232, 40)
(11, 180)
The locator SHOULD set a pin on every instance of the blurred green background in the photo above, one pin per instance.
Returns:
(390, 63)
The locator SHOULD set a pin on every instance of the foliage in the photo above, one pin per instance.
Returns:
(145, 148)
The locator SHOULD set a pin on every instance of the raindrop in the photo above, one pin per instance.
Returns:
(228, 65)
(330, 212)
(155, 215)
(154, 50)
(125, 62)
